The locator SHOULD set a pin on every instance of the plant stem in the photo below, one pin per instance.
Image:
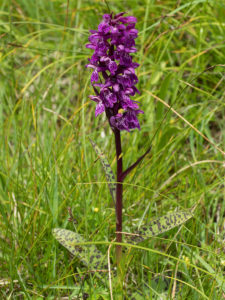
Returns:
(119, 194)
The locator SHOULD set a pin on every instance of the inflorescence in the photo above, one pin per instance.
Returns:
(113, 43)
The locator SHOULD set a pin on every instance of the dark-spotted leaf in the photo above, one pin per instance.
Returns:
(89, 255)
(107, 169)
(160, 225)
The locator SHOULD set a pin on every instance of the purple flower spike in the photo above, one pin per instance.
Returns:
(113, 43)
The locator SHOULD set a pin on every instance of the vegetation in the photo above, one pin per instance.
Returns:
(48, 163)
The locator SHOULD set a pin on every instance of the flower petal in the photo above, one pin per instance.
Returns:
(94, 76)
(99, 108)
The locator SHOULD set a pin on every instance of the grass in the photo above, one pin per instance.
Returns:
(48, 164)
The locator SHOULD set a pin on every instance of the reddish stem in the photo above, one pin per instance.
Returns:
(119, 194)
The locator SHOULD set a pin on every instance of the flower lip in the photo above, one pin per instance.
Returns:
(107, 17)
(103, 28)
(94, 76)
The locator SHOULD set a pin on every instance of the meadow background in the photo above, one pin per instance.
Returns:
(48, 164)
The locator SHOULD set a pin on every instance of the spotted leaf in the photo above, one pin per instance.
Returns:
(107, 169)
(160, 225)
(89, 255)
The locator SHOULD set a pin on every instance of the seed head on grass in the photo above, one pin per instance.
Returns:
(113, 43)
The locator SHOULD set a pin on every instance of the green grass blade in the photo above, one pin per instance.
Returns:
(89, 255)
(160, 225)
(107, 169)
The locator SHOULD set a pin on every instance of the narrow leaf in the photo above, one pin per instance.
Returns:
(89, 255)
(128, 170)
(160, 225)
(107, 169)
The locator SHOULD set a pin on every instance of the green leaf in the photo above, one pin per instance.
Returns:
(107, 169)
(160, 225)
(89, 255)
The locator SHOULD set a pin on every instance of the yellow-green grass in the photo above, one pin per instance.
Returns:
(48, 164)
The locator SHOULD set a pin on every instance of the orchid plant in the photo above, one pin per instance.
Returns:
(113, 43)
(114, 82)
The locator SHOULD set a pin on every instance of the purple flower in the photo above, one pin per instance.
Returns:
(113, 76)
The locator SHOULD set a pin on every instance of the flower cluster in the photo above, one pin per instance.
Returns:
(113, 43)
